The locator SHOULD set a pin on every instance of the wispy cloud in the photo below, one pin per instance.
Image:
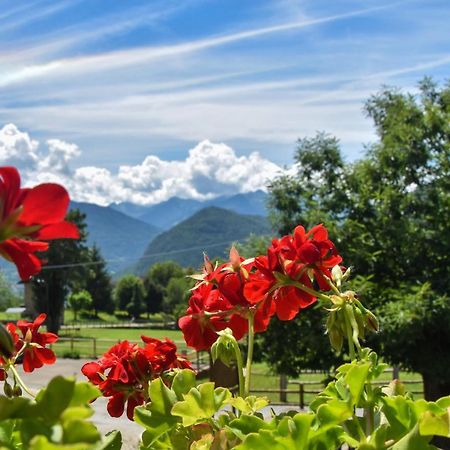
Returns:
(123, 58)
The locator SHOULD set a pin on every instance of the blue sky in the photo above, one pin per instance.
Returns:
(122, 80)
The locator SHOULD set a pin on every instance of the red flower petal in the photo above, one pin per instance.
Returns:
(116, 405)
(59, 230)
(44, 204)
(27, 264)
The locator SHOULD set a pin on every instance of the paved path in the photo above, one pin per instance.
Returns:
(131, 432)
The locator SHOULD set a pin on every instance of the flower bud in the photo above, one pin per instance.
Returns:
(336, 275)
(336, 338)
(224, 347)
(372, 321)
(17, 391)
(6, 343)
(7, 389)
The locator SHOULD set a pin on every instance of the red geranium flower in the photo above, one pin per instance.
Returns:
(125, 370)
(312, 249)
(200, 325)
(35, 354)
(28, 217)
(288, 300)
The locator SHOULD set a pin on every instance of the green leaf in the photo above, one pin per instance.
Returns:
(17, 407)
(296, 429)
(42, 443)
(398, 412)
(84, 393)
(245, 425)
(264, 440)
(76, 412)
(250, 404)
(201, 403)
(183, 382)
(435, 425)
(76, 431)
(157, 418)
(355, 379)
(334, 411)
(29, 428)
(55, 398)
(6, 431)
(412, 441)
(204, 443)
(444, 402)
(112, 441)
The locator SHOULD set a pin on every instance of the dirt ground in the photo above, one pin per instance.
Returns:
(72, 367)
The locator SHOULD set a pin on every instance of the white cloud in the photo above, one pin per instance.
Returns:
(209, 170)
(17, 148)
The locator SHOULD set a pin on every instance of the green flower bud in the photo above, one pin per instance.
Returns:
(17, 391)
(6, 343)
(224, 347)
(372, 321)
(7, 389)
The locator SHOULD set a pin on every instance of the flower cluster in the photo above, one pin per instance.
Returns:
(28, 217)
(126, 369)
(281, 282)
(28, 343)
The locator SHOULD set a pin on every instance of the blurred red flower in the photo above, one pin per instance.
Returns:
(28, 217)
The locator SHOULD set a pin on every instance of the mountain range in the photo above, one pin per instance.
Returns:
(132, 237)
(169, 213)
(211, 230)
(121, 238)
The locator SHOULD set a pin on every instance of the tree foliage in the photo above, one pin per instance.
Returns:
(98, 283)
(63, 272)
(388, 213)
(129, 295)
(80, 301)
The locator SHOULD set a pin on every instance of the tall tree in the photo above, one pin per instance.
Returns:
(98, 283)
(156, 282)
(79, 301)
(389, 214)
(64, 271)
(126, 289)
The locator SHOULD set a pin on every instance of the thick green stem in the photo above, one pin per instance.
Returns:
(349, 330)
(21, 382)
(310, 291)
(251, 343)
(240, 368)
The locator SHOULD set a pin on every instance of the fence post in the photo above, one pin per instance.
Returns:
(94, 347)
(395, 373)
(283, 387)
(71, 344)
(301, 393)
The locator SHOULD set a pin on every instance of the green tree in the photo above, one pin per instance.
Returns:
(98, 283)
(156, 282)
(136, 305)
(80, 301)
(64, 271)
(388, 214)
(177, 295)
(312, 195)
(126, 289)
